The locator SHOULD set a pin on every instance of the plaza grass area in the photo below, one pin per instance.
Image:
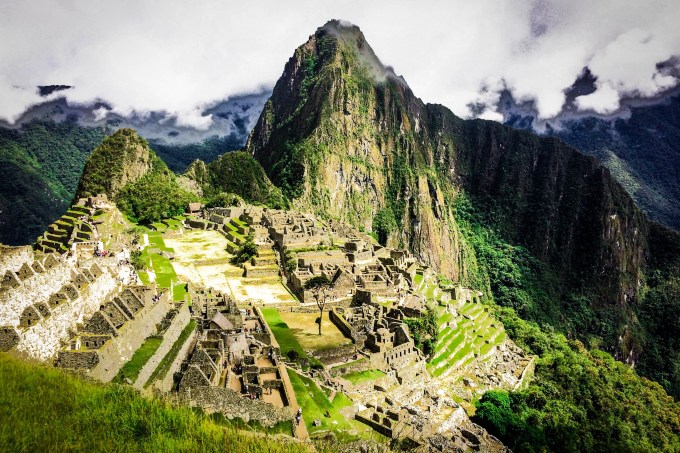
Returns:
(306, 330)
(161, 264)
(142, 355)
(45, 409)
(359, 377)
(179, 293)
(163, 367)
(284, 336)
(314, 403)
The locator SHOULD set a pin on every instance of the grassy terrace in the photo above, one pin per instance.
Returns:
(142, 355)
(472, 337)
(45, 409)
(286, 337)
(363, 376)
(163, 367)
(161, 265)
(315, 403)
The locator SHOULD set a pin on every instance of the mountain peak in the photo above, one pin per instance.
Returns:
(121, 158)
(351, 36)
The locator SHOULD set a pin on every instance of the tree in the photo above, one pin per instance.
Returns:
(321, 289)
(246, 251)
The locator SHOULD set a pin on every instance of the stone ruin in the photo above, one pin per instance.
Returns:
(116, 330)
(235, 360)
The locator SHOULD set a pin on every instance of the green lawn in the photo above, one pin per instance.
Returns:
(315, 403)
(163, 367)
(161, 265)
(43, 408)
(284, 336)
(362, 376)
(142, 355)
(178, 292)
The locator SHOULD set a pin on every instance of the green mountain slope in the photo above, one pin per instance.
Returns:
(537, 226)
(129, 172)
(237, 173)
(41, 163)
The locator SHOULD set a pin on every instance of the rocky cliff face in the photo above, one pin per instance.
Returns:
(343, 136)
(340, 137)
(122, 158)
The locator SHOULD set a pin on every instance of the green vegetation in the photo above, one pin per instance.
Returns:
(239, 173)
(315, 405)
(224, 200)
(384, 224)
(44, 159)
(290, 346)
(142, 355)
(659, 311)
(358, 377)
(640, 152)
(580, 401)
(245, 251)
(179, 292)
(290, 261)
(155, 196)
(93, 417)
(424, 331)
(252, 425)
(108, 163)
(159, 262)
(163, 367)
(179, 156)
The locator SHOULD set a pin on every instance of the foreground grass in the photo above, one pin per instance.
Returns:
(45, 409)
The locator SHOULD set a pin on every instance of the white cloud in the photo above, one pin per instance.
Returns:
(177, 56)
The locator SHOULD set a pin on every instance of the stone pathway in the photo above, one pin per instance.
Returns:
(300, 431)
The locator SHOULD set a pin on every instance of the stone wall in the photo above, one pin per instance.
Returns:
(11, 258)
(166, 384)
(42, 340)
(341, 324)
(117, 351)
(337, 353)
(36, 288)
(178, 324)
(78, 360)
(232, 405)
(357, 366)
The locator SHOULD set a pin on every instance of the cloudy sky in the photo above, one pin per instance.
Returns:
(179, 56)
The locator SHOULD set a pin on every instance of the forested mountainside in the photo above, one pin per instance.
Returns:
(45, 158)
(641, 151)
(345, 137)
(41, 164)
